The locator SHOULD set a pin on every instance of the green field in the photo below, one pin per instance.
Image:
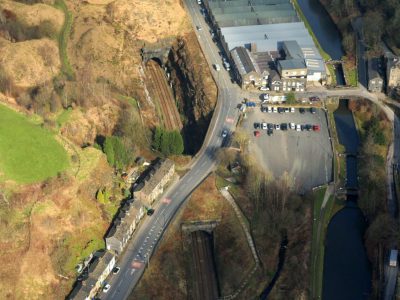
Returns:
(28, 153)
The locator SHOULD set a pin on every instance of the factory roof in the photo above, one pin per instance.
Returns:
(290, 64)
(373, 68)
(292, 50)
(244, 61)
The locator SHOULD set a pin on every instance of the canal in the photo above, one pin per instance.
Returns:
(326, 32)
(347, 273)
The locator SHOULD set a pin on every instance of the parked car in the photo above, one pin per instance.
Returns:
(287, 110)
(256, 125)
(292, 110)
(281, 110)
(257, 133)
(277, 127)
(269, 109)
(250, 104)
(302, 110)
(270, 126)
(106, 288)
(270, 131)
(316, 128)
(263, 109)
(314, 98)
(308, 127)
(264, 125)
(313, 110)
(264, 88)
(116, 270)
(275, 109)
(298, 127)
(284, 126)
(292, 126)
(265, 96)
(224, 133)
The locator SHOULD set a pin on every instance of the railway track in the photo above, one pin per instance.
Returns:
(205, 281)
(170, 114)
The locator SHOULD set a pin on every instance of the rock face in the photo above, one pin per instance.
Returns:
(194, 90)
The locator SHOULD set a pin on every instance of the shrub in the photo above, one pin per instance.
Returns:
(168, 142)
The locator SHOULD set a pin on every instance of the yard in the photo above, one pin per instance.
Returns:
(28, 153)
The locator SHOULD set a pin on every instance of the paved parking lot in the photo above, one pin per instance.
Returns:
(305, 155)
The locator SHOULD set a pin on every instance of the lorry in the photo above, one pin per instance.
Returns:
(393, 258)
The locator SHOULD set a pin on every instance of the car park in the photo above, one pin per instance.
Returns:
(302, 110)
(292, 126)
(106, 288)
(264, 125)
(257, 133)
(313, 110)
(316, 128)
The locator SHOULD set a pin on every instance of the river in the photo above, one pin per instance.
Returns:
(347, 273)
(326, 32)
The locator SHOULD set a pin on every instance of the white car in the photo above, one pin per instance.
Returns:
(287, 109)
(224, 133)
(275, 109)
(277, 127)
(265, 96)
(106, 288)
(292, 110)
(269, 109)
(264, 88)
(292, 126)
(298, 127)
(264, 125)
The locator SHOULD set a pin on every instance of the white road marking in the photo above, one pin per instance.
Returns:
(133, 271)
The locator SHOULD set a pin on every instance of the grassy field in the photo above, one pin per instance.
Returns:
(63, 39)
(28, 153)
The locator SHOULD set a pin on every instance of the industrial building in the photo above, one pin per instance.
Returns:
(265, 28)
(375, 80)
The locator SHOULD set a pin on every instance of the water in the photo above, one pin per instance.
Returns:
(347, 273)
(326, 32)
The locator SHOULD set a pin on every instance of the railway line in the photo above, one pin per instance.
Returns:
(205, 285)
(170, 114)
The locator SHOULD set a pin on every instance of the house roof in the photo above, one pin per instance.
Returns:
(291, 64)
(373, 69)
(155, 175)
(244, 61)
(100, 266)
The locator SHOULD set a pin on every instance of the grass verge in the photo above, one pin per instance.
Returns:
(28, 153)
(63, 39)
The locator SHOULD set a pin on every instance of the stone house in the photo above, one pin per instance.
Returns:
(375, 80)
(392, 72)
(98, 272)
(152, 185)
(124, 225)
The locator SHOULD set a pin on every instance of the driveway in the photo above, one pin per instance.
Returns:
(306, 156)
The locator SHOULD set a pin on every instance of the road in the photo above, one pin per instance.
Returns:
(150, 232)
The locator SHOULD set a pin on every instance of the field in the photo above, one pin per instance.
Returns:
(28, 153)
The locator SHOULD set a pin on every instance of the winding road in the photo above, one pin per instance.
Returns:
(143, 244)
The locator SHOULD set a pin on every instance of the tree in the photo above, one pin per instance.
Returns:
(290, 98)
(176, 143)
(157, 138)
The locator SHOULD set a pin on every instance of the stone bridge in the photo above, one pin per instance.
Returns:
(158, 51)
(208, 226)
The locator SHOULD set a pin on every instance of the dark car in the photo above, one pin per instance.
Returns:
(313, 110)
(308, 127)
(150, 212)
(263, 109)
(270, 126)
(256, 125)
(270, 131)
(284, 126)
(116, 270)
(281, 110)
(302, 110)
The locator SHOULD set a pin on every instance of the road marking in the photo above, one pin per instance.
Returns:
(132, 271)
(229, 119)
(166, 200)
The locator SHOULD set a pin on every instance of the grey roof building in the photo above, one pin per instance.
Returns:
(375, 80)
